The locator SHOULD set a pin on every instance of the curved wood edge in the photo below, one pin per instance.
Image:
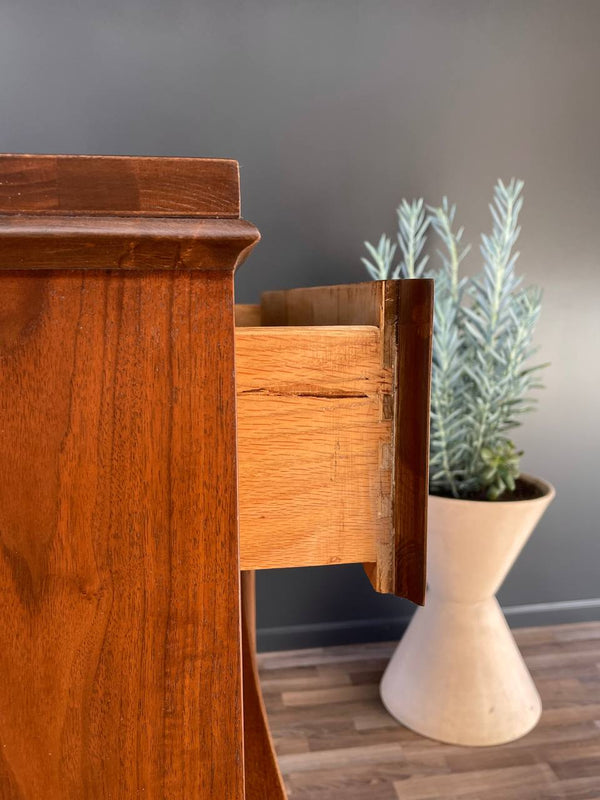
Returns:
(123, 243)
(263, 779)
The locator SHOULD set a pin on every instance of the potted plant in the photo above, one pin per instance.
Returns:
(457, 674)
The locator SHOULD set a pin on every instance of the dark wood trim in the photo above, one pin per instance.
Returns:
(403, 310)
(132, 243)
(119, 185)
(120, 648)
(410, 305)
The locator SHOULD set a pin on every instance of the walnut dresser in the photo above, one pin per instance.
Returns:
(154, 455)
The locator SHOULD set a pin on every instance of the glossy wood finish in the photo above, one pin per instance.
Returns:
(120, 643)
(403, 313)
(121, 648)
(123, 243)
(335, 740)
(115, 185)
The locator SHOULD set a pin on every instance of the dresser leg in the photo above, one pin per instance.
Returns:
(263, 779)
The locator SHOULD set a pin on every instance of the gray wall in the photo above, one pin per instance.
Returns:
(335, 110)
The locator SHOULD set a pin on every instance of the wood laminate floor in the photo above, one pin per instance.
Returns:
(335, 741)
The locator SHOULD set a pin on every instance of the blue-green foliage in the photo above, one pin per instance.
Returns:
(382, 256)
(412, 228)
(483, 330)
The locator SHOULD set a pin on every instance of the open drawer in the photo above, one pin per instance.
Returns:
(333, 424)
(127, 645)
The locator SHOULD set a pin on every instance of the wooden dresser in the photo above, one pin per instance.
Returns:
(152, 450)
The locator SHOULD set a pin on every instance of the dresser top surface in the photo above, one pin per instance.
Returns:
(119, 186)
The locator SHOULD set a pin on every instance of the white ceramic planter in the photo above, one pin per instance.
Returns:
(457, 675)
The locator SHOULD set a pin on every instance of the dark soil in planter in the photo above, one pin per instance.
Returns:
(524, 490)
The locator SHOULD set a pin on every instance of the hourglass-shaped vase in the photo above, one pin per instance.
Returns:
(457, 675)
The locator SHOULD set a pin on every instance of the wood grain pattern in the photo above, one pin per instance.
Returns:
(263, 779)
(120, 648)
(114, 185)
(409, 320)
(118, 537)
(123, 243)
(333, 745)
(403, 312)
(312, 486)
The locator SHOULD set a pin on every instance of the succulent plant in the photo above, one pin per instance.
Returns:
(482, 342)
